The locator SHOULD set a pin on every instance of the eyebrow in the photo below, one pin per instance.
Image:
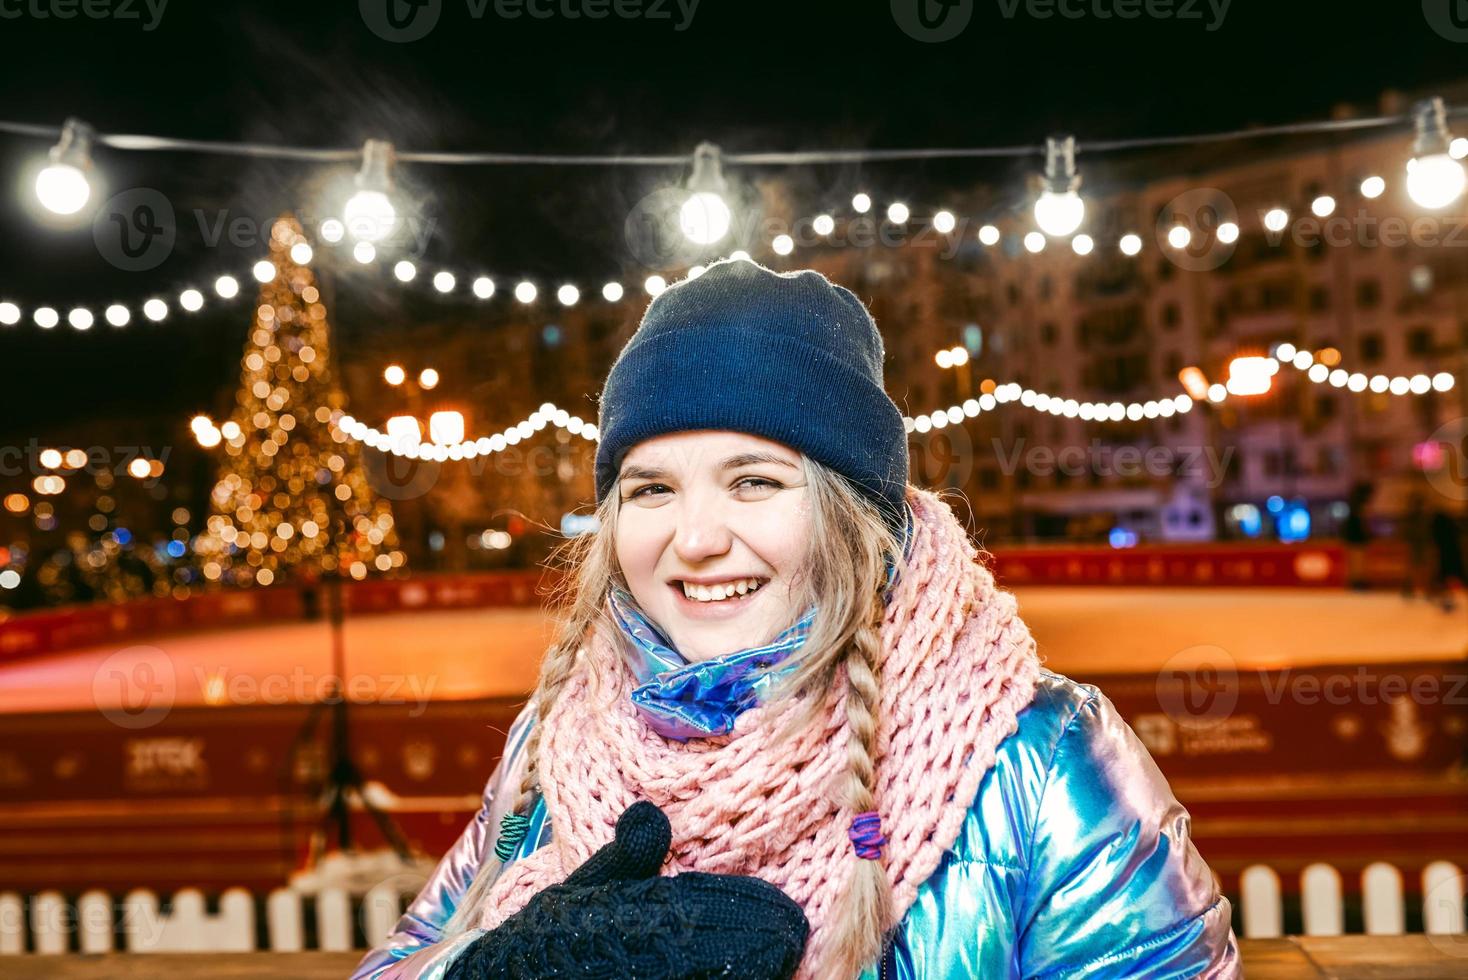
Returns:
(732, 463)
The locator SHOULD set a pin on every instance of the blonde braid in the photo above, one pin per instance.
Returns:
(862, 918)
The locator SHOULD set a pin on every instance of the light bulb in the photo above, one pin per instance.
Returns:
(704, 217)
(988, 235)
(1434, 181)
(1059, 215)
(1060, 210)
(62, 186)
(62, 189)
(370, 216)
(1130, 244)
(1434, 178)
(484, 287)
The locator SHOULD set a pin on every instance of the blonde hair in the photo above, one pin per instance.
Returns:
(844, 573)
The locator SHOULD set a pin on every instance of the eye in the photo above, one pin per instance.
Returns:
(757, 481)
(642, 491)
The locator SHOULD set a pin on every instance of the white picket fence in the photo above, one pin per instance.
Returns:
(189, 928)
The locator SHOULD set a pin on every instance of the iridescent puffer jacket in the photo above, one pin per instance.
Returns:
(1075, 860)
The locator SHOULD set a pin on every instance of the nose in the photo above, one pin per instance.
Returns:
(703, 529)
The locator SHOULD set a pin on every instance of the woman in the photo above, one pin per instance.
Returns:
(888, 753)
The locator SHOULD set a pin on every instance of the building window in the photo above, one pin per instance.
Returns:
(1170, 316)
(1319, 299)
(1048, 334)
(1368, 294)
(1419, 341)
(1372, 348)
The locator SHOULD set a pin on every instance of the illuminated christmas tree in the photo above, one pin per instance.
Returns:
(292, 499)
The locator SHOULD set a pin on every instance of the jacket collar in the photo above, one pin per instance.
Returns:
(682, 700)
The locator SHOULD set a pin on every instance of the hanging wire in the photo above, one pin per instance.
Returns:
(123, 141)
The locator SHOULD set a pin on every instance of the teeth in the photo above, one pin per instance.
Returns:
(721, 590)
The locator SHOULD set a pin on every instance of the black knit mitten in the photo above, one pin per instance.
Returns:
(616, 918)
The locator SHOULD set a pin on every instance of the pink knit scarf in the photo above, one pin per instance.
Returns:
(957, 666)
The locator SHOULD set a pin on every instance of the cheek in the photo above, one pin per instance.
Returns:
(638, 549)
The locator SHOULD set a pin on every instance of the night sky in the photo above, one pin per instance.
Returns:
(746, 74)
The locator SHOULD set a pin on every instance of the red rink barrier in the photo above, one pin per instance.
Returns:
(1320, 565)
(1311, 565)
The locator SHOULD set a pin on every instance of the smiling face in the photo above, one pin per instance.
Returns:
(711, 531)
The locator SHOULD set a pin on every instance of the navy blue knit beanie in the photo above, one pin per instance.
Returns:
(788, 356)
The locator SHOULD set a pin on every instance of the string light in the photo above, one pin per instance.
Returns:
(62, 186)
(403, 435)
(1434, 178)
(369, 213)
(1060, 210)
(704, 217)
